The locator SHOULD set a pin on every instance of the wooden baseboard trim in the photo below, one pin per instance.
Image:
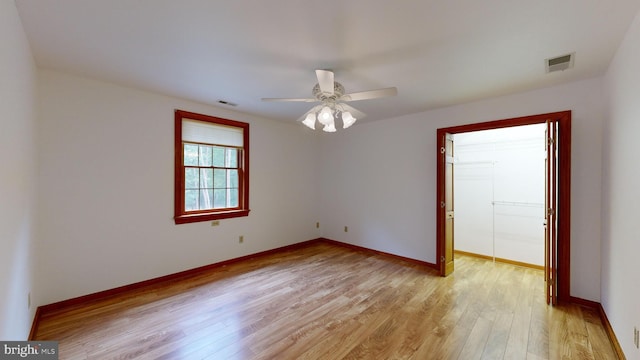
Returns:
(605, 323)
(612, 335)
(506, 261)
(64, 304)
(35, 323)
(382, 253)
(584, 302)
(166, 278)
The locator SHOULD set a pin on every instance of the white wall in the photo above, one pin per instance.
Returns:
(106, 189)
(17, 175)
(621, 193)
(499, 193)
(379, 178)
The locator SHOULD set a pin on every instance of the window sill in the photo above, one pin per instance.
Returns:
(190, 218)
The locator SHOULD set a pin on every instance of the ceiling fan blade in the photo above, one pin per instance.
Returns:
(288, 99)
(354, 112)
(371, 94)
(325, 80)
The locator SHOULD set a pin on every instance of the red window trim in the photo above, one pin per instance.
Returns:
(183, 217)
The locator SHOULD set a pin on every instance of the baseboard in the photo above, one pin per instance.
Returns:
(501, 260)
(605, 323)
(42, 310)
(371, 251)
(64, 304)
(35, 323)
(612, 335)
(583, 302)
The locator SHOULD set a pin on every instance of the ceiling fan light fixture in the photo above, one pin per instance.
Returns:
(330, 126)
(347, 119)
(332, 100)
(310, 121)
(325, 116)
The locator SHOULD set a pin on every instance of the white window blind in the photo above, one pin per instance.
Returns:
(203, 132)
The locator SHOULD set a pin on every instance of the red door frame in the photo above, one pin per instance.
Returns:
(563, 119)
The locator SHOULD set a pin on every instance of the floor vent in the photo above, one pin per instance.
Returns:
(559, 63)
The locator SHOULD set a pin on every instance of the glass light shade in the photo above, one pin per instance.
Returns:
(310, 121)
(325, 116)
(347, 119)
(330, 126)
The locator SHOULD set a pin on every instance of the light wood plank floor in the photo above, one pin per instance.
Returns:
(329, 302)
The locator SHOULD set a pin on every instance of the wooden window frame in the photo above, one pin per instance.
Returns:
(181, 216)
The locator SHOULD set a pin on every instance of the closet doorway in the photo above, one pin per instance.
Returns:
(499, 182)
(507, 210)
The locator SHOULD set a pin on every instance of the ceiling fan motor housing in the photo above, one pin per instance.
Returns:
(338, 91)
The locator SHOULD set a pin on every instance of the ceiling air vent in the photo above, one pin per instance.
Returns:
(228, 103)
(560, 63)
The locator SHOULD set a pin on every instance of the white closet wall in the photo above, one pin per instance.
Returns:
(499, 182)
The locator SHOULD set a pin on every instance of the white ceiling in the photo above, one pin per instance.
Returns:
(436, 52)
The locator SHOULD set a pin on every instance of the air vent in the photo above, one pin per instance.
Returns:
(559, 63)
(224, 102)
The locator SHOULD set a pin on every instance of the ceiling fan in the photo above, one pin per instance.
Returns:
(332, 98)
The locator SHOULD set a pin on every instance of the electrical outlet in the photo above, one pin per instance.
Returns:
(317, 225)
(215, 223)
(346, 229)
(241, 239)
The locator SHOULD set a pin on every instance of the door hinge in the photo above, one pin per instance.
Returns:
(551, 212)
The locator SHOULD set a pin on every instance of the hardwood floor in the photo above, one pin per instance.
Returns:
(329, 302)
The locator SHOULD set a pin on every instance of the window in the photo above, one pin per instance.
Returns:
(211, 168)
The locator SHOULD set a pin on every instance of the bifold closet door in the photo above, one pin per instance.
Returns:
(551, 201)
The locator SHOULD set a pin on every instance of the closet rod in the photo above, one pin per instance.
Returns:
(474, 162)
(515, 203)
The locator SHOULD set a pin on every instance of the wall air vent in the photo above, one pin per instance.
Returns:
(559, 63)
